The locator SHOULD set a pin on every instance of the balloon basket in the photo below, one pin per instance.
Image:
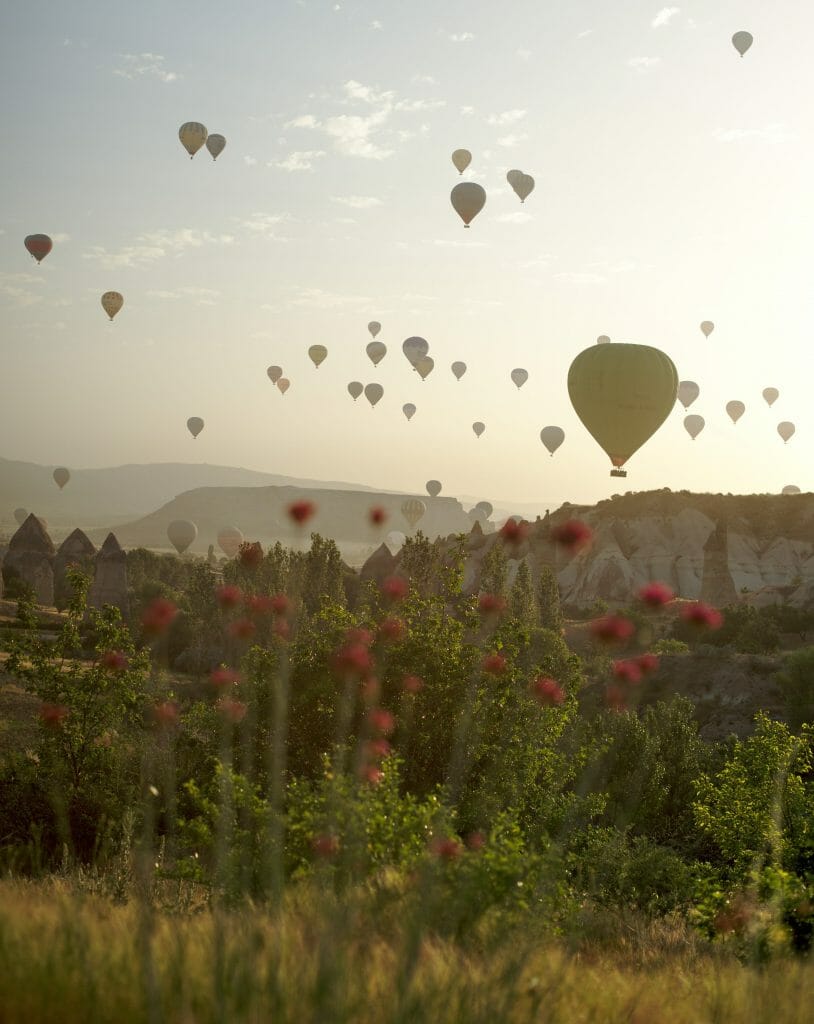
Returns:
(618, 472)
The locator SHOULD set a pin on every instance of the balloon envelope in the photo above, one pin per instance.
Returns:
(112, 302)
(486, 507)
(478, 428)
(771, 395)
(523, 186)
(20, 515)
(459, 369)
(688, 391)
(192, 135)
(216, 145)
(603, 339)
(408, 410)
(707, 327)
(376, 351)
(519, 377)
(514, 176)
(195, 425)
(317, 354)
(735, 410)
(468, 199)
(791, 489)
(61, 476)
(395, 541)
(433, 488)
(229, 539)
(424, 366)
(355, 388)
(622, 393)
(414, 349)
(275, 373)
(462, 158)
(374, 327)
(283, 384)
(373, 393)
(742, 41)
(786, 430)
(413, 509)
(181, 533)
(552, 438)
(38, 246)
(693, 425)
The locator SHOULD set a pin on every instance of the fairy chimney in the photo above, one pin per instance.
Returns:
(75, 552)
(30, 557)
(379, 565)
(110, 580)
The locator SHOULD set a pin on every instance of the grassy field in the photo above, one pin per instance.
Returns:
(69, 956)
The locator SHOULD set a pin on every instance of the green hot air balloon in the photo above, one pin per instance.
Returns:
(622, 393)
(355, 388)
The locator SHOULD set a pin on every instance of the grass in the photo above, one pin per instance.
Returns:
(72, 957)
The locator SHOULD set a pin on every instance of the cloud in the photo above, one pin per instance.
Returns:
(451, 243)
(304, 121)
(467, 111)
(376, 25)
(664, 16)
(507, 117)
(579, 277)
(14, 288)
(511, 140)
(643, 63)
(424, 80)
(413, 105)
(771, 134)
(522, 54)
(357, 202)
(356, 91)
(249, 161)
(352, 134)
(318, 298)
(518, 217)
(61, 237)
(205, 296)
(155, 245)
(461, 37)
(541, 262)
(137, 65)
(584, 34)
(299, 160)
(265, 224)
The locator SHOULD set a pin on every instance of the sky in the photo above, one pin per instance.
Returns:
(673, 185)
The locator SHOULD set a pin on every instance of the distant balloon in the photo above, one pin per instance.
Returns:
(742, 41)
(373, 393)
(192, 136)
(519, 377)
(61, 476)
(275, 373)
(707, 327)
(317, 354)
(622, 393)
(523, 186)
(459, 369)
(791, 489)
(462, 158)
(414, 349)
(424, 366)
(735, 410)
(38, 246)
(229, 537)
(355, 388)
(216, 145)
(283, 384)
(688, 391)
(486, 507)
(433, 488)
(195, 425)
(181, 533)
(552, 438)
(374, 327)
(693, 425)
(112, 302)
(603, 339)
(394, 541)
(468, 199)
(771, 395)
(478, 428)
(786, 430)
(408, 410)
(20, 515)
(376, 351)
(514, 176)
(413, 509)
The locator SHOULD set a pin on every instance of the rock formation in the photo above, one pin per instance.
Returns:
(110, 581)
(379, 566)
(717, 587)
(30, 557)
(76, 551)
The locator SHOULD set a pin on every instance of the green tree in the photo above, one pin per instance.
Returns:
(494, 573)
(548, 601)
(796, 680)
(522, 607)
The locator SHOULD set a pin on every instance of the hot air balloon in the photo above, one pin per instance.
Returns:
(693, 425)
(195, 425)
(61, 476)
(394, 541)
(317, 354)
(216, 145)
(514, 176)
(786, 430)
(355, 388)
(468, 200)
(552, 438)
(459, 369)
(522, 184)
(229, 537)
(181, 533)
(38, 246)
(519, 377)
(424, 366)
(478, 428)
(485, 507)
(622, 393)
(373, 393)
(791, 489)
(408, 410)
(735, 410)
(688, 391)
(20, 515)
(414, 349)
(413, 509)
(192, 136)
(275, 373)
(283, 384)
(462, 158)
(112, 302)
(374, 327)
(707, 327)
(376, 351)
(771, 395)
(742, 41)
(603, 339)
(433, 488)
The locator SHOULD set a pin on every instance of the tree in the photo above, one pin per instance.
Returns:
(549, 609)
(522, 607)
(494, 571)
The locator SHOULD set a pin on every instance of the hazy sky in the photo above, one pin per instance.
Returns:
(673, 185)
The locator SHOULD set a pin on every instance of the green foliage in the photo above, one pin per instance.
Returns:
(669, 645)
(796, 681)
(548, 601)
(522, 606)
(494, 573)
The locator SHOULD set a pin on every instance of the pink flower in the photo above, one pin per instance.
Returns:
(280, 604)
(242, 629)
(222, 678)
(53, 715)
(232, 711)
(377, 749)
(372, 774)
(301, 511)
(166, 715)
(359, 635)
(377, 515)
(229, 596)
(446, 849)
(476, 841)
(491, 604)
(394, 588)
(655, 595)
(352, 660)
(615, 698)
(494, 664)
(703, 616)
(547, 691)
(648, 663)
(325, 846)
(573, 535)
(250, 554)
(627, 672)
(259, 605)
(612, 629)
(158, 616)
(392, 629)
(380, 721)
(114, 661)
(412, 684)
